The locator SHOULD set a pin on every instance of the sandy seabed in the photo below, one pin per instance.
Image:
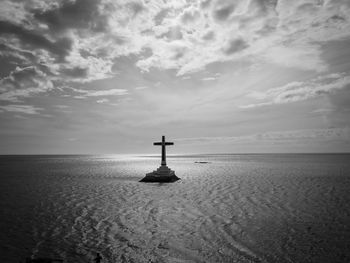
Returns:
(236, 208)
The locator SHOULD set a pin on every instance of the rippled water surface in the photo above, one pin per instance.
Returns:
(236, 208)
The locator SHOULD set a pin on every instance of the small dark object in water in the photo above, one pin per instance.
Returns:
(43, 260)
(98, 258)
(201, 162)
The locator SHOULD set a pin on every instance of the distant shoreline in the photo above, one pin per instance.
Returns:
(176, 155)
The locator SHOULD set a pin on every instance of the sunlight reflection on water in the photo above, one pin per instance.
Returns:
(243, 208)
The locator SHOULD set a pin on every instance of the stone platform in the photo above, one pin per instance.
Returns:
(162, 175)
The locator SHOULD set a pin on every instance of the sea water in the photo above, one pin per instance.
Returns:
(235, 208)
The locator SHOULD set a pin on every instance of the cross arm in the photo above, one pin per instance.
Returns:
(169, 143)
(157, 143)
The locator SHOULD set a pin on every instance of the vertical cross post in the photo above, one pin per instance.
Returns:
(163, 143)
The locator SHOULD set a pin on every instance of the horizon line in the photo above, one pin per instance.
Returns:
(168, 155)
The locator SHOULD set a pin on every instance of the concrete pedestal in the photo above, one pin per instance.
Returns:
(162, 175)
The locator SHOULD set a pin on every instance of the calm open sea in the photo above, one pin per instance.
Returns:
(236, 208)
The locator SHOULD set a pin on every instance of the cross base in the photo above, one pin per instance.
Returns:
(162, 175)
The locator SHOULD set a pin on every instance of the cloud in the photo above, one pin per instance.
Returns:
(57, 39)
(307, 135)
(222, 12)
(24, 82)
(100, 93)
(27, 109)
(111, 92)
(81, 40)
(272, 31)
(300, 56)
(210, 78)
(299, 91)
(61, 106)
(59, 48)
(235, 45)
(323, 110)
(75, 72)
(101, 101)
(210, 35)
(80, 14)
(189, 15)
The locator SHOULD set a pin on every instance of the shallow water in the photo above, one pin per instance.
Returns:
(236, 208)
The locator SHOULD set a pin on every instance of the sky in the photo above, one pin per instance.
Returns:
(213, 76)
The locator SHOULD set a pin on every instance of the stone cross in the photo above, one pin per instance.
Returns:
(163, 143)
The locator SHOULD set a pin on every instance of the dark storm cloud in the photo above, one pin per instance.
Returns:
(22, 77)
(36, 45)
(24, 82)
(12, 58)
(76, 72)
(32, 40)
(9, 58)
(79, 14)
(10, 52)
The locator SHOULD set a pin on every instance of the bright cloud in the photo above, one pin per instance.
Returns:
(26, 109)
(100, 93)
(110, 92)
(80, 40)
(298, 91)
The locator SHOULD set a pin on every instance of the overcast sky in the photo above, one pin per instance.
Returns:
(111, 76)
